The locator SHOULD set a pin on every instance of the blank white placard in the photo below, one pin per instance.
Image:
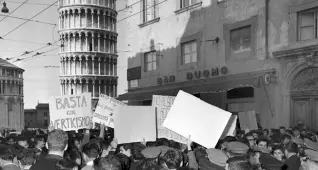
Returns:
(135, 123)
(191, 116)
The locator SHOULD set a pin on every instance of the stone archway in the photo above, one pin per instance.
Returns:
(304, 97)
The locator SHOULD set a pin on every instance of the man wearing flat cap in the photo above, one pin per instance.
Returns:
(236, 149)
(151, 155)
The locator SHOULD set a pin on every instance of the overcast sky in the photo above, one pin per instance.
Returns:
(39, 82)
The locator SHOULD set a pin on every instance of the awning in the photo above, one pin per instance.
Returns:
(211, 85)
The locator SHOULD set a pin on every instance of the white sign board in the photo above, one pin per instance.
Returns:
(135, 123)
(71, 112)
(190, 116)
(163, 105)
(105, 110)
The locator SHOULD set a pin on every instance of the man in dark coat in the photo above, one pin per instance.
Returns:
(56, 144)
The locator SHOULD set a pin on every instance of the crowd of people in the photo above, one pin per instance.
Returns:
(96, 149)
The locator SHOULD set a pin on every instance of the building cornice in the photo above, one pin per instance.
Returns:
(86, 6)
(293, 53)
(86, 30)
(87, 54)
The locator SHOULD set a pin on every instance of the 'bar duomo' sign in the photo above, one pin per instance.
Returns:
(207, 73)
(166, 79)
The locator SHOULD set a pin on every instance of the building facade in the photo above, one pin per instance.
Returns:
(11, 96)
(239, 55)
(88, 54)
(38, 117)
(30, 120)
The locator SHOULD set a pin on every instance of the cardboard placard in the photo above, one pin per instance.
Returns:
(71, 112)
(248, 120)
(163, 105)
(135, 123)
(190, 116)
(105, 110)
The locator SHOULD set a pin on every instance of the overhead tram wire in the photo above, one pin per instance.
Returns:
(30, 3)
(13, 10)
(116, 23)
(41, 22)
(30, 42)
(29, 19)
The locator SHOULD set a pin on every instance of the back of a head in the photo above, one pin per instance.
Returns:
(27, 158)
(238, 163)
(109, 162)
(57, 140)
(173, 159)
(292, 148)
(91, 150)
(7, 153)
(136, 151)
(65, 164)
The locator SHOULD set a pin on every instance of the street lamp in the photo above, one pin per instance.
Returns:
(5, 9)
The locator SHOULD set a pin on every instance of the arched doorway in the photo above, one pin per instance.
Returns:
(304, 98)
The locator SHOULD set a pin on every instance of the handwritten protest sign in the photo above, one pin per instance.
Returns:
(105, 110)
(71, 112)
(163, 105)
(135, 123)
(190, 116)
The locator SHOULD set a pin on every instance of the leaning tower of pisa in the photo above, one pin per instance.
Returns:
(88, 58)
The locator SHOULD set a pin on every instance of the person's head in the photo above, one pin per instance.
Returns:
(57, 140)
(291, 149)
(10, 140)
(265, 132)
(237, 163)
(77, 143)
(262, 143)
(255, 135)
(286, 139)
(303, 132)
(124, 161)
(278, 153)
(27, 158)
(109, 162)
(173, 159)
(296, 132)
(282, 129)
(136, 151)
(39, 142)
(251, 140)
(23, 142)
(126, 149)
(76, 157)
(90, 151)
(253, 157)
(6, 155)
(66, 164)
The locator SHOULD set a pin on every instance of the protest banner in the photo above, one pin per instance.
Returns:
(190, 116)
(248, 120)
(163, 105)
(105, 110)
(229, 130)
(135, 123)
(71, 112)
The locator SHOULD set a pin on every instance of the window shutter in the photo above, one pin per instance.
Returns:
(141, 11)
(156, 3)
(178, 4)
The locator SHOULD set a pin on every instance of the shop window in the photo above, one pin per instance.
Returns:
(240, 40)
(238, 93)
(307, 24)
(150, 61)
(187, 3)
(189, 52)
(45, 114)
(149, 10)
(3, 72)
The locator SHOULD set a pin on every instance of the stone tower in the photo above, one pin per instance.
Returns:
(88, 57)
